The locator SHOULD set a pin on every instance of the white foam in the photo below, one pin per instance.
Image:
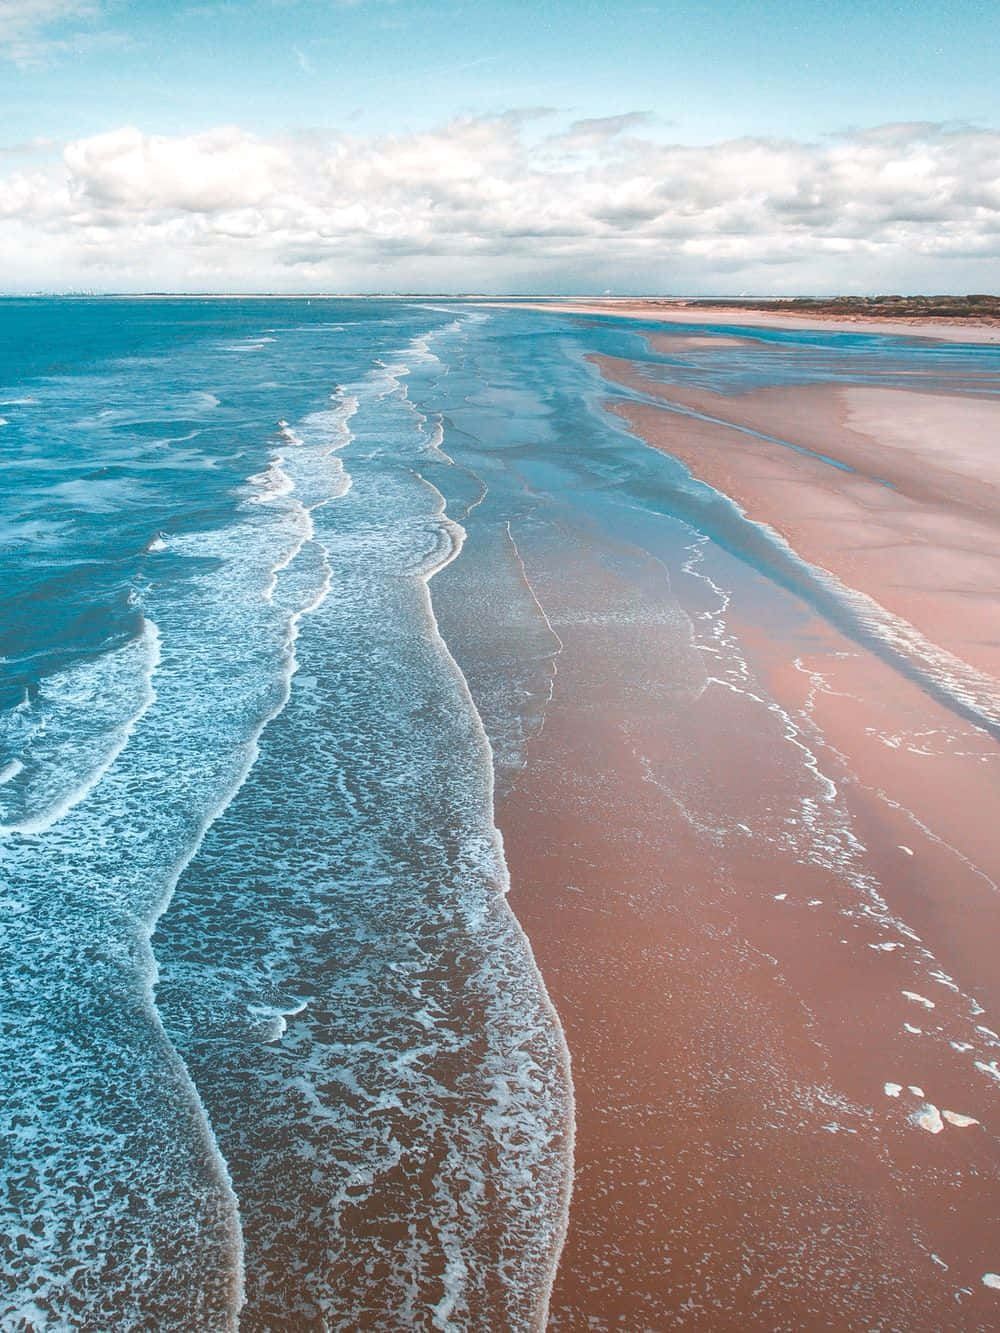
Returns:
(288, 434)
(246, 345)
(229, 601)
(274, 1020)
(943, 979)
(893, 1089)
(527, 1105)
(435, 446)
(992, 1280)
(928, 1117)
(506, 1121)
(10, 771)
(907, 850)
(231, 594)
(518, 1087)
(81, 730)
(274, 482)
(958, 1120)
(917, 1092)
(910, 1028)
(823, 834)
(918, 999)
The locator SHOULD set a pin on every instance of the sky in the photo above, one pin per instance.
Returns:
(563, 146)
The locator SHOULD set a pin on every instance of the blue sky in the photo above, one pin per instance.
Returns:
(306, 71)
(706, 70)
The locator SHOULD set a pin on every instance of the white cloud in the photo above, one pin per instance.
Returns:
(478, 204)
(133, 173)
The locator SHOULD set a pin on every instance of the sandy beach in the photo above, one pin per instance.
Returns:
(914, 523)
(779, 1017)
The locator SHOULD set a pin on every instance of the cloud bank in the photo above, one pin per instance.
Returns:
(488, 204)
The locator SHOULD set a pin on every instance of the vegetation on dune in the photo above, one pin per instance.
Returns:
(977, 307)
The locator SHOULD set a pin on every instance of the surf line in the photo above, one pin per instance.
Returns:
(568, 1127)
(148, 641)
(456, 535)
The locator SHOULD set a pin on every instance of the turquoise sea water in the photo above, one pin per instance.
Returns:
(274, 1050)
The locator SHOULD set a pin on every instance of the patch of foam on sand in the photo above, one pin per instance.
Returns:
(958, 1120)
(928, 1117)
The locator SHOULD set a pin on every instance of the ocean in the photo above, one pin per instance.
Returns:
(275, 1050)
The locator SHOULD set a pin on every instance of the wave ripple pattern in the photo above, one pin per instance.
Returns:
(337, 1097)
(341, 971)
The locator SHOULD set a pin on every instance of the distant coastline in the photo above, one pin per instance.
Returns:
(964, 319)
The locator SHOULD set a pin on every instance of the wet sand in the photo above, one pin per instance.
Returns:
(764, 905)
(914, 524)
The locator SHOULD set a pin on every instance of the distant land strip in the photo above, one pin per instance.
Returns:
(982, 308)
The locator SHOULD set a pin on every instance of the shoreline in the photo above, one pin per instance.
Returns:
(889, 494)
(952, 330)
(503, 907)
(767, 924)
